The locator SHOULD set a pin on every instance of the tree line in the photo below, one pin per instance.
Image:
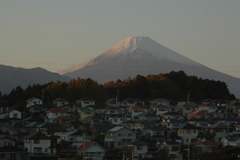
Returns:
(173, 86)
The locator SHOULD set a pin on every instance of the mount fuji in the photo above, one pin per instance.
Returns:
(144, 56)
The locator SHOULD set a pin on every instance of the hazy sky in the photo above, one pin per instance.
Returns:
(57, 34)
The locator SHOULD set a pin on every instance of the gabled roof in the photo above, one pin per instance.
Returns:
(86, 99)
(60, 100)
(102, 127)
(30, 99)
(155, 128)
(135, 107)
(37, 135)
(217, 126)
(171, 142)
(186, 126)
(87, 145)
(163, 106)
(147, 115)
(112, 108)
(64, 118)
(137, 142)
(159, 100)
(205, 142)
(197, 113)
(115, 129)
(57, 110)
(51, 127)
(172, 113)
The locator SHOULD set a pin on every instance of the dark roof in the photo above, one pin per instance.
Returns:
(40, 105)
(49, 127)
(186, 126)
(235, 138)
(217, 125)
(60, 100)
(86, 99)
(197, 120)
(147, 115)
(229, 119)
(37, 135)
(163, 106)
(138, 142)
(103, 127)
(94, 117)
(10, 149)
(76, 122)
(172, 113)
(171, 142)
(94, 107)
(30, 99)
(155, 128)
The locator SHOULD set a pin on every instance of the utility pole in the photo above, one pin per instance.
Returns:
(84, 146)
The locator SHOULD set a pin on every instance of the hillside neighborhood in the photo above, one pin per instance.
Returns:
(122, 129)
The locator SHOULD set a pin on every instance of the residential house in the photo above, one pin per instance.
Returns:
(11, 114)
(186, 108)
(91, 150)
(137, 148)
(134, 111)
(218, 131)
(99, 130)
(54, 113)
(12, 152)
(155, 132)
(185, 101)
(187, 132)
(199, 122)
(6, 140)
(85, 112)
(148, 116)
(117, 119)
(85, 102)
(60, 102)
(91, 120)
(50, 129)
(230, 121)
(38, 144)
(171, 123)
(161, 109)
(75, 125)
(4, 106)
(159, 101)
(118, 137)
(63, 121)
(209, 107)
(131, 102)
(75, 138)
(38, 108)
(172, 115)
(113, 102)
(169, 149)
(33, 101)
(233, 141)
(197, 114)
(203, 146)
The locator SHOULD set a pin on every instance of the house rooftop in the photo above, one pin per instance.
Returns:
(172, 113)
(135, 107)
(186, 126)
(60, 100)
(205, 142)
(155, 128)
(102, 127)
(87, 145)
(57, 110)
(217, 126)
(197, 113)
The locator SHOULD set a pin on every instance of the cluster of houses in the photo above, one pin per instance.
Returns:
(121, 129)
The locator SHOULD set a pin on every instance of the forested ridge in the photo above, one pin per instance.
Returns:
(173, 86)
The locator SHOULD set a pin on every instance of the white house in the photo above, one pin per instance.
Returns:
(33, 101)
(161, 109)
(118, 119)
(186, 108)
(130, 102)
(233, 141)
(11, 114)
(219, 131)
(138, 148)
(187, 132)
(91, 150)
(38, 143)
(118, 137)
(134, 111)
(159, 101)
(54, 113)
(85, 102)
(60, 102)
(209, 107)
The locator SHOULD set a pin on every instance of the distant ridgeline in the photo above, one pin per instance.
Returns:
(172, 86)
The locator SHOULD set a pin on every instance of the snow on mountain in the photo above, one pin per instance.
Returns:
(144, 56)
(138, 48)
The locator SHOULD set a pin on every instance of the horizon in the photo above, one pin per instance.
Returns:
(65, 35)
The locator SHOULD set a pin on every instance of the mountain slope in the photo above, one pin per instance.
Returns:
(11, 77)
(142, 55)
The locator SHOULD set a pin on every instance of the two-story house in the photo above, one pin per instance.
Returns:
(60, 102)
(134, 111)
(118, 137)
(161, 109)
(137, 148)
(186, 108)
(54, 113)
(187, 132)
(131, 102)
(171, 123)
(85, 102)
(218, 131)
(169, 149)
(159, 101)
(197, 114)
(85, 112)
(33, 101)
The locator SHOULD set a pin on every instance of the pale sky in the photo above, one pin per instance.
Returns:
(57, 34)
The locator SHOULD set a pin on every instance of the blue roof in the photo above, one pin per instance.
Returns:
(155, 128)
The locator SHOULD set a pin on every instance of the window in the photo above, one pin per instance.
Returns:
(86, 102)
(194, 131)
(37, 150)
(119, 143)
(188, 131)
(119, 134)
(87, 113)
(56, 113)
(129, 134)
(139, 147)
(15, 115)
(46, 149)
(8, 144)
(186, 139)
(36, 141)
(112, 111)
